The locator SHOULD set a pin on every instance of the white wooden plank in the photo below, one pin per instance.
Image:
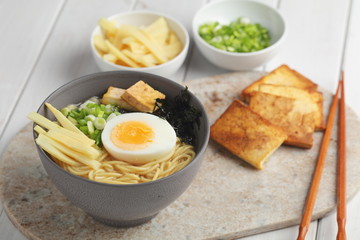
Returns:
(315, 37)
(25, 26)
(328, 225)
(352, 88)
(272, 3)
(352, 59)
(285, 234)
(327, 228)
(8, 230)
(20, 47)
(200, 67)
(353, 218)
(65, 56)
(183, 11)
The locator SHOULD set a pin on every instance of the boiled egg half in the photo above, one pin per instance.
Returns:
(138, 138)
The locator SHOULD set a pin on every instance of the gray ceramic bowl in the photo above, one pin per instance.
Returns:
(121, 205)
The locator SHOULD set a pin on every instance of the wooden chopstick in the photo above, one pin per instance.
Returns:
(311, 198)
(341, 170)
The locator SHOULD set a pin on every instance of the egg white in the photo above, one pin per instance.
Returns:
(162, 145)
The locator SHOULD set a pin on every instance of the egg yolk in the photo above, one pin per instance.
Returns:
(132, 135)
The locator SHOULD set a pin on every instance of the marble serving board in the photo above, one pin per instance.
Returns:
(227, 199)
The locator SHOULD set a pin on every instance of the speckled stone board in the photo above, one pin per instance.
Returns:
(228, 198)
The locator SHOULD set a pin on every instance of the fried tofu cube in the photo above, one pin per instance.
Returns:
(295, 116)
(282, 75)
(113, 96)
(313, 98)
(142, 97)
(246, 134)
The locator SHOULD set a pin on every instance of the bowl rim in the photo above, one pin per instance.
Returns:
(121, 67)
(105, 73)
(269, 48)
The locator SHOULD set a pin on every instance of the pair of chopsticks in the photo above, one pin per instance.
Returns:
(341, 171)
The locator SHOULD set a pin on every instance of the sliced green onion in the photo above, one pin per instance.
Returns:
(65, 111)
(74, 114)
(90, 118)
(100, 114)
(84, 129)
(109, 108)
(105, 115)
(91, 104)
(85, 104)
(72, 106)
(90, 126)
(94, 100)
(111, 116)
(99, 123)
(97, 137)
(82, 122)
(238, 36)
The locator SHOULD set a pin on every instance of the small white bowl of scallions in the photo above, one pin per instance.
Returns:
(238, 35)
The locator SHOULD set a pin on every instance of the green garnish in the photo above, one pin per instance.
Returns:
(91, 117)
(239, 36)
(181, 115)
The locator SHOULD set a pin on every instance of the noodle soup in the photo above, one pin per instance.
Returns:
(125, 136)
(121, 204)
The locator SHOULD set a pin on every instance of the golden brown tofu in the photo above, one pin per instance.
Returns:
(142, 97)
(282, 75)
(113, 95)
(313, 98)
(246, 134)
(295, 116)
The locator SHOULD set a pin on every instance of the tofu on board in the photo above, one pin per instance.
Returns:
(284, 107)
(246, 134)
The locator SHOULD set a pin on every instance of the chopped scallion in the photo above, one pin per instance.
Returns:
(91, 117)
(238, 36)
(90, 126)
(99, 123)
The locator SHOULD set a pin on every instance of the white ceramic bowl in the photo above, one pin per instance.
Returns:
(225, 11)
(144, 18)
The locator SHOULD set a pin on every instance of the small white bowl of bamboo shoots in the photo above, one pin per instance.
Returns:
(142, 41)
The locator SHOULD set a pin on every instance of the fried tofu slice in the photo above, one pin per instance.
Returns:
(282, 75)
(295, 116)
(142, 97)
(313, 98)
(113, 96)
(246, 134)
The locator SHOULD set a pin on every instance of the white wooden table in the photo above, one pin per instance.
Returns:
(45, 44)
